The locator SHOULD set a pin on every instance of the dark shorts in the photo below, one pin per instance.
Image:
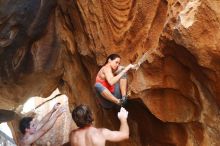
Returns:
(104, 102)
(117, 93)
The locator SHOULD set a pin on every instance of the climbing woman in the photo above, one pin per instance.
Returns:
(111, 82)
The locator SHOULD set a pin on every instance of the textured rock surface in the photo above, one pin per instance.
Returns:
(175, 92)
(38, 108)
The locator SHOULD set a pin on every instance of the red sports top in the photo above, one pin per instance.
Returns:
(106, 84)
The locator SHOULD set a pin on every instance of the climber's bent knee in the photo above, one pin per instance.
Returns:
(125, 76)
(99, 87)
(106, 104)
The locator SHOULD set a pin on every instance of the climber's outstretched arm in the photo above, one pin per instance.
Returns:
(32, 138)
(123, 133)
(113, 79)
(46, 118)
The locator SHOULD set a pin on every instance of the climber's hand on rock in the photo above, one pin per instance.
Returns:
(135, 66)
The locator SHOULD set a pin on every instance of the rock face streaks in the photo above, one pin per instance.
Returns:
(174, 94)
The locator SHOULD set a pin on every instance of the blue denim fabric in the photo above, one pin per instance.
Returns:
(104, 102)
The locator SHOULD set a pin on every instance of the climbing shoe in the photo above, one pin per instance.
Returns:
(123, 100)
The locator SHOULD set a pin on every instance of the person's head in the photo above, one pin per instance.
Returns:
(114, 61)
(27, 125)
(82, 116)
